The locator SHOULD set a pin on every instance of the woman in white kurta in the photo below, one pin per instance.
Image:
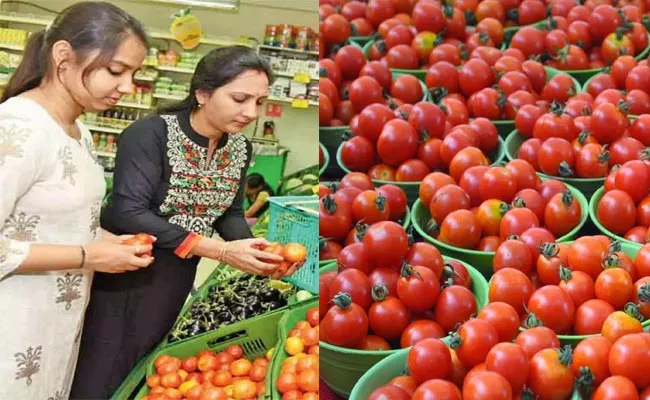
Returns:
(51, 190)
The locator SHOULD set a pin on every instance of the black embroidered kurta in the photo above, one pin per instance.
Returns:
(162, 186)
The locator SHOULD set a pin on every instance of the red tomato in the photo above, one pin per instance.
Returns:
(627, 354)
(354, 256)
(477, 337)
(593, 352)
(388, 316)
(387, 244)
(486, 385)
(389, 392)
(397, 142)
(586, 254)
(578, 285)
(461, 229)
(510, 361)
(456, 304)
(533, 340)
(446, 200)
(426, 255)
(591, 315)
(474, 76)
(531, 199)
(345, 324)
(517, 221)
(418, 288)
(563, 213)
(615, 387)
(419, 330)
(437, 389)
(358, 154)
(550, 373)
(616, 211)
(498, 183)
(429, 359)
(355, 283)
(335, 218)
(615, 286)
(553, 307)
(512, 287)
(556, 157)
(513, 253)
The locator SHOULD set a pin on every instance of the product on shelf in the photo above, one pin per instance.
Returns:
(141, 94)
(146, 74)
(118, 118)
(291, 63)
(13, 37)
(165, 86)
(290, 37)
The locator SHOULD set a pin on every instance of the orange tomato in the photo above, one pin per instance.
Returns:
(261, 389)
(619, 324)
(295, 333)
(235, 350)
(140, 239)
(315, 350)
(294, 253)
(261, 361)
(160, 360)
(194, 393)
(244, 390)
(153, 380)
(214, 393)
(195, 376)
(184, 374)
(313, 316)
(190, 364)
(308, 362)
(208, 377)
(310, 336)
(302, 325)
(158, 396)
(205, 352)
(310, 396)
(174, 394)
(157, 390)
(186, 386)
(286, 382)
(308, 380)
(207, 362)
(241, 367)
(292, 395)
(293, 346)
(171, 380)
(224, 367)
(172, 365)
(222, 378)
(225, 358)
(257, 373)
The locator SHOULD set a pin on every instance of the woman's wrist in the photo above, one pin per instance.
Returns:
(208, 247)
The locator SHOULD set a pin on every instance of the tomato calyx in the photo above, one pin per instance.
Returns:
(380, 202)
(527, 394)
(632, 310)
(438, 94)
(567, 198)
(504, 208)
(502, 99)
(585, 381)
(645, 154)
(612, 260)
(455, 341)
(623, 106)
(549, 249)
(403, 115)
(556, 108)
(342, 300)
(483, 38)
(564, 169)
(532, 321)
(644, 293)
(513, 237)
(463, 51)
(410, 235)
(379, 293)
(329, 204)
(615, 246)
(565, 273)
(392, 104)
(518, 202)
(513, 14)
(361, 228)
(448, 273)
(565, 355)
(448, 8)
(604, 155)
(470, 18)
(433, 227)
(408, 271)
(584, 135)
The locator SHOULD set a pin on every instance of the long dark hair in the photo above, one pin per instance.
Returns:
(218, 68)
(256, 181)
(87, 26)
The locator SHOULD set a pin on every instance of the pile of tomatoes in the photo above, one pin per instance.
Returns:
(209, 376)
(487, 205)
(348, 208)
(478, 365)
(298, 379)
(376, 301)
(624, 209)
(587, 287)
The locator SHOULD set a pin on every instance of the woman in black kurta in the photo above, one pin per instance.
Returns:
(167, 185)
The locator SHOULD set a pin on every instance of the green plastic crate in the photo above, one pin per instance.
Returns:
(254, 336)
(295, 219)
(326, 159)
(285, 325)
(135, 381)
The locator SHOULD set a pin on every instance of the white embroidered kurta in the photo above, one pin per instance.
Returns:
(51, 189)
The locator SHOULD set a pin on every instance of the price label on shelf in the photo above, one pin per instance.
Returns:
(302, 78)
(300, 103)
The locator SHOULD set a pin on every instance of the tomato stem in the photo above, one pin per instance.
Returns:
(379, 292)
(518, 202)
(549, 249)
(342, 300)
(455, 341)
(585, 381)
(527, 394)
(615, 246)
(408, 271)
(432, 227)
(565, 273)
(567, 197)
(604, 156)
(612, 260)
(565, 169)
(470, 18)
(644, 293)
(623, 106)
(381, 201)
(329, 204)
(504, 208)
(632, 310)
(513, 237)
(565, 354)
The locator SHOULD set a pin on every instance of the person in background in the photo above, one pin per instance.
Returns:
(180, 176)
(51, 190)
(258, 192)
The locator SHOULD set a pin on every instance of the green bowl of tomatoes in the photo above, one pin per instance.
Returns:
(593, 216)
(326, 159)
(629, 248)
(331, 138)
(482, 260)
(341, 368)
(412, 189)
(587, 186)
(418, 73)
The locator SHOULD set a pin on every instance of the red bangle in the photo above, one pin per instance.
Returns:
(186, 247)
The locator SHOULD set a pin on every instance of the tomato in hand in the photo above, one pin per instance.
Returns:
(418, 288)
(141, 239)
(345, 324)
(551, 376)
(429, 359)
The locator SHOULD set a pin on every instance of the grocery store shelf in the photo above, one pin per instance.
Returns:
(168, 97)
(134, 105)
(105, 154)
(174, 69)
(17, 47)
(290, 75)
(105, 129)
(217, 41)
(313, 53)
(140, 79)
(289, 100)
(25, 18)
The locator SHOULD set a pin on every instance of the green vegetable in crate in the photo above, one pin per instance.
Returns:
(237, 299)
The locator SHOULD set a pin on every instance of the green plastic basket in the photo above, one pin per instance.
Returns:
(631, 250)
(295, 219)
(412, 189)
(360, 41)
(253, 335)
(388, 368)
(593, 216)
(482, 260)
(341, 368)
(418, 73)
(587, 186)
(326, 161)
(584, 75)
(285, 325)
(504, 127)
